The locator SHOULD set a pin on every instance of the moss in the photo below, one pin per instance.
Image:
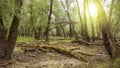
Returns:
(64, 51)
(25, 39)
(17, 50)
(67, 40)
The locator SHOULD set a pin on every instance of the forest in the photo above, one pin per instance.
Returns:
(59, 34)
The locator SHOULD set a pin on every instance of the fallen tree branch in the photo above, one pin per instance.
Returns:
(64, 51)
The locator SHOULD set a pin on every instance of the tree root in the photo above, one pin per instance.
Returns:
(64, 51)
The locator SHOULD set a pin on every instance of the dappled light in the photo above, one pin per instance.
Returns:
(59, 33)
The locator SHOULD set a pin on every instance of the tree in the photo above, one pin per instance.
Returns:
(85, 22)
(48, 24)
(33, 22)
(92, 25)
(80, 17)
(7, 44)
(71, 24)
(112, 48)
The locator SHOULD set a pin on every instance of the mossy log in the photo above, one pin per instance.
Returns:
(64, 51)
(59, 49)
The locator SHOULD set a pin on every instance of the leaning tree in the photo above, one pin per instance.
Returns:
(111, 46)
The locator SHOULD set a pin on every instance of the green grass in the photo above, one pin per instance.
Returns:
(17, 50)
(67, 40)
(103, 65)
(25, 39)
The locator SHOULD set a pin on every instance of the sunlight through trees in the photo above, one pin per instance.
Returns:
(85, 22)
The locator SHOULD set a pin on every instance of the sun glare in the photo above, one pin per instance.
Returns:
(93, 10)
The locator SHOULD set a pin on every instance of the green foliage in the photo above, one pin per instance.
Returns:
(116, 63)
(34, 14)
(58, 10)
(6, 11)
(6, 6)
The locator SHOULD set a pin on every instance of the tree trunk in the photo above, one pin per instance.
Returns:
(63, 30)
(98, 30)
(92, 25)
(72, 30)
(112, 48)
(81, 21)
(52, 33)
(37, 33)
(48, 24)
(22, 32)
(12, 38)
(13, 33)
(93, 31)
(85, 23)
(2, 39)
(58, 31)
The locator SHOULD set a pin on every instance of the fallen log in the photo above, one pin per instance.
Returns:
(85, 42)
(59, 49)
(64, 51)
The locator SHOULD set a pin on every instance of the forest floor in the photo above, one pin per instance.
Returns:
(26, 57)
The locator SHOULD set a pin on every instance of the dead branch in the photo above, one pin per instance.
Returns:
(64, 51)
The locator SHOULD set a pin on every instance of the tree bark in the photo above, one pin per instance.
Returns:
(13, 33)
(48, 24)
(2, 39)
(12, 38)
